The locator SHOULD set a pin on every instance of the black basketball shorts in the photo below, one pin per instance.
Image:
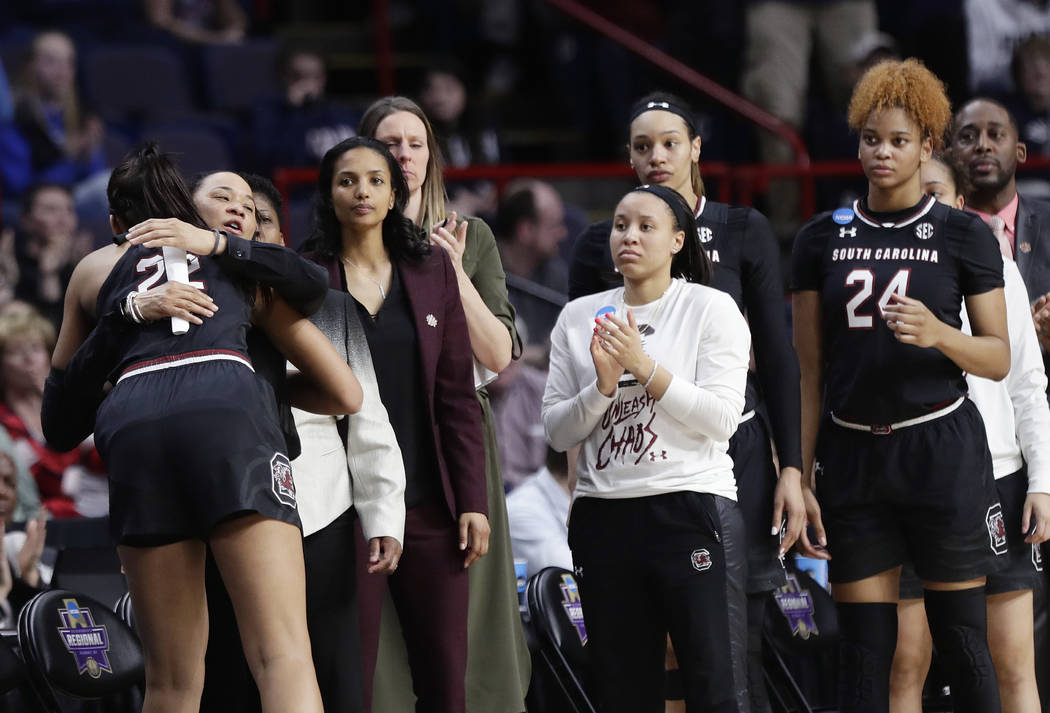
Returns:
(189, 447)
(923, 493)
(1024, 564)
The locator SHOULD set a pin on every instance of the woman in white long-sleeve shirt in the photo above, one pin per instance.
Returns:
(1017, 422)
(649, 380)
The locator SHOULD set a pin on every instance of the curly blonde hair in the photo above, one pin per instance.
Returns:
(20, 320)
(906, 85)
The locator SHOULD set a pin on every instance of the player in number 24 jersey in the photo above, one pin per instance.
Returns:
(858, 261)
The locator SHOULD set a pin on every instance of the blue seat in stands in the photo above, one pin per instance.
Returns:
(237, 76)
(196, 148)
(136, 82)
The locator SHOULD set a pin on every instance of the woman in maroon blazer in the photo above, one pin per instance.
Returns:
(408, 300)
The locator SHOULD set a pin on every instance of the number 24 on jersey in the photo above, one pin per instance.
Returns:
(857, 315)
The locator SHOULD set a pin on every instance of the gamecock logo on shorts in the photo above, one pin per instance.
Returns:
(996, 529)
(1037, 558)
(283, 485)
(701, 560)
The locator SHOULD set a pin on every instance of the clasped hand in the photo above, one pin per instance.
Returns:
(616, 346)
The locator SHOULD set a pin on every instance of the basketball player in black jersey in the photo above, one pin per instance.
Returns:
(664, 149)
(901, 462)
(191, 441)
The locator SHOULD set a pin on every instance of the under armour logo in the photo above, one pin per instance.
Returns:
(847, 232)
(924, 231)
(706, 235)
(653, 456)
(578, 571)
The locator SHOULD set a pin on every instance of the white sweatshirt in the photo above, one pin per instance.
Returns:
(634, 445)
(1015, 411)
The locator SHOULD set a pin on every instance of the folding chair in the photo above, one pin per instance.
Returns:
(560, 638)
(75, 647)
(800, 651)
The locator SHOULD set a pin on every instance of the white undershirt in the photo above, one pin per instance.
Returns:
(1015, 411)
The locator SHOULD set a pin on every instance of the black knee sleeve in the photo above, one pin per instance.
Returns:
(959, 626)
(867, 640)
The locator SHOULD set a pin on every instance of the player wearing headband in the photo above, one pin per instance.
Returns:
(648, 379)
(664, 149)
(901, 462)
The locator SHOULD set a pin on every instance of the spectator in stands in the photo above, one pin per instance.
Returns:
(27, 505)
(23, 575)
(782, 36)
(1030, 101)
(985, 141)
(539, 515)
(51, 137)
(47, 245)
(463, 135)
(516, 398)
(207, 22)
(531, 230)
(71, 483)
(296, 127)
(995, 28)
(498, 663)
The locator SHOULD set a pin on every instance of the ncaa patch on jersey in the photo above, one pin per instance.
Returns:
(842, 216)
(701, 560)
(996, 529)
(283, 485)
(924, 231)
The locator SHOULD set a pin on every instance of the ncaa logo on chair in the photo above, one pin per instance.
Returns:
(701, 560)
(283, 485)
(996, 529)
(88, 643)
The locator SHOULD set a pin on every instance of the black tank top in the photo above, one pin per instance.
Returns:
(142, 268)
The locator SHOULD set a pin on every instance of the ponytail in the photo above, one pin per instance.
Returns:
(145, 185)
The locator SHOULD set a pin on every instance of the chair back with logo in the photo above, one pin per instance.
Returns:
(556, 616)
(800, 652)
(74, 646)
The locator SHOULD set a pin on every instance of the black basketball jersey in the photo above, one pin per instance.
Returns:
(142, 268)
(857, 259)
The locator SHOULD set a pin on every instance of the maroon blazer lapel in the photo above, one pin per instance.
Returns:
(424, 287)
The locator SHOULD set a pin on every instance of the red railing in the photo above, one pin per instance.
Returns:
(741, 183)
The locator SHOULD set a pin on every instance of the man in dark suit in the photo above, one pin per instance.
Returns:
(986, 146)
(985, 143)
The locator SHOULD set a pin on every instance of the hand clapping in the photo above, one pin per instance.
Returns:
(623, 342)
